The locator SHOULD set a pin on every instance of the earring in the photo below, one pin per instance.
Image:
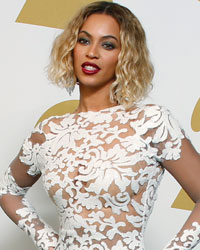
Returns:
(70, 86)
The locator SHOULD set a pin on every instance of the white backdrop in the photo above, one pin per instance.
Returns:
(173, 34)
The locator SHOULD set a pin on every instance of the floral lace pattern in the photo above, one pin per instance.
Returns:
(35, 227)
(102, 170)
(187, 240)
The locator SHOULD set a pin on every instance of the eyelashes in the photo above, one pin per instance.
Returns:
(82, 40)
(106, 44)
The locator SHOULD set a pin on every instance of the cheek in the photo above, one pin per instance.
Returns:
(75, 60)
(77, 54)
(113, 62)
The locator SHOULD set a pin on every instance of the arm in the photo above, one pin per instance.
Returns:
(186, 171)
(174, 151)
(20, 176)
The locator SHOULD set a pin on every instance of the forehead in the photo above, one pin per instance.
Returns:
(101, 24)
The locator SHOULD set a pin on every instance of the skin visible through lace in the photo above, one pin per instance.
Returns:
(102, 170)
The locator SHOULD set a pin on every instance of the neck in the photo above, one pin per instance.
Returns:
(91, 100)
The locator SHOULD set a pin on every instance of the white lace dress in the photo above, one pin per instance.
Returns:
(102, 170)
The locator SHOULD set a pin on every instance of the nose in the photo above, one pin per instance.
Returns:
(93, 52)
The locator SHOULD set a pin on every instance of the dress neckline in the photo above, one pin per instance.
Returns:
(105, 110)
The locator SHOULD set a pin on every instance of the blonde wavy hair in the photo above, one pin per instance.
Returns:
(134, 70)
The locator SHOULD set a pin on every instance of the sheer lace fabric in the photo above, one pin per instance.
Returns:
(188, 239)
(102, 170)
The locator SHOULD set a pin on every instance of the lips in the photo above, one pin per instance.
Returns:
(90, 68)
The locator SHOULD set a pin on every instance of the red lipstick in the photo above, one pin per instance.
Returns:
(90, 68)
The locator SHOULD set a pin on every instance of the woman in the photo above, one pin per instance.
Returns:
(102, 164)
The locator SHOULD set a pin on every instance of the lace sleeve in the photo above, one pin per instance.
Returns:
(178, 156)
(167, 134)
(186, 171)
(23, 172)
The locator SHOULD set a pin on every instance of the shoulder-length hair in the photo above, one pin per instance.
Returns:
(134, 70)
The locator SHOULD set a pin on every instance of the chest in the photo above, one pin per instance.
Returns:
(99, 164)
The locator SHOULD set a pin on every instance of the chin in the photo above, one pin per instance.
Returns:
(90, 83)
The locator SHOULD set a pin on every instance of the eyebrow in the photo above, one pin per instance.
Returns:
(104, 37)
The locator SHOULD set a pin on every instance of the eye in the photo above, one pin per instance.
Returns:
(83, 40)
(108, 45)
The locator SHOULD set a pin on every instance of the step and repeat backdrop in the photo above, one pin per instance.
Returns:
(28, 29)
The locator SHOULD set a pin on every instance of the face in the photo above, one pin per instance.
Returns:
(96, 51)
